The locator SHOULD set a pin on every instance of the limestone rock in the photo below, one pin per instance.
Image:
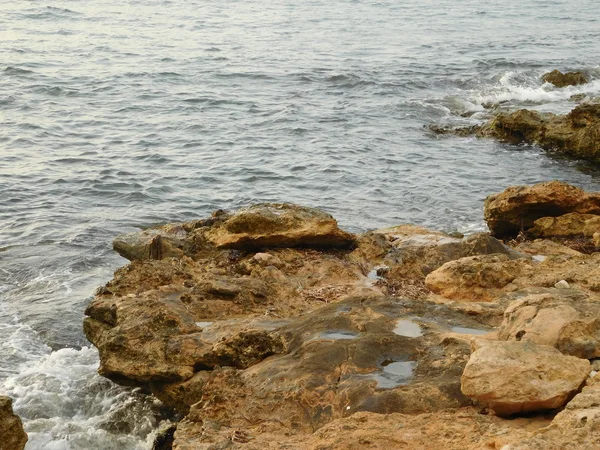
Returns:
(150, 244)
(559, 79)
(465, 429)
(519, 377)
(476, 278)
(567, 225)
(575, 134)
(572, 326)
(577, 427)
(518, 207)
(279, 225)
(12, 435)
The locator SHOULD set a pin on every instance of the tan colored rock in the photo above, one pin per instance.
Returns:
(572, 224)
(519, 377)
(476, 278)
(279, 225)
(568, 324)
(560, 79)
(518, 207)
(577, 427)
(414, 252)
(465, 429)
(12, 435)
(154, 339)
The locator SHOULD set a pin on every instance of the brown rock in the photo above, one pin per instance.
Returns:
(518, 207)
(577, 427)
(464, 429)
(519, 377)
(559, 79)
(568, 324)
(568, 225)
(476, 278)
(12, 435)
(279, 225)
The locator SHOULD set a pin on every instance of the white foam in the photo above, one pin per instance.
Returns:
(512, 87)
(64, 403)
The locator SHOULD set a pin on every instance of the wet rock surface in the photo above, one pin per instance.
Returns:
(575, 134)
(560, 79)
(263, 333)
(12, 435)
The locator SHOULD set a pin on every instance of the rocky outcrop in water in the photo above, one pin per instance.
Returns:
(560, 79)
(576, 134)
(270, 326)
(12, 435)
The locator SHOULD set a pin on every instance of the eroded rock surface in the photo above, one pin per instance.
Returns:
(517, 377)
(575, 134)
(569, 323)
(560, 79)
(518, 207)
(264, 334)
(12, 435)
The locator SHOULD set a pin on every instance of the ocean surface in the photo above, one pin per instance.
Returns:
(120, 114)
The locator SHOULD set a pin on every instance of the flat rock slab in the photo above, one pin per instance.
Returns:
(279, 225)
(519, 377)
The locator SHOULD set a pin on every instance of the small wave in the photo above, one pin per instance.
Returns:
(60, 394)
(545, 93)
(17, 71)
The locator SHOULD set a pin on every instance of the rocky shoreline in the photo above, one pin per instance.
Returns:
(270, 327)
(575, 135)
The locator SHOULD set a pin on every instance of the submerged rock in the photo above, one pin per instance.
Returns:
(518, 377)
(559, 79)
(518, 207)
(12, 435)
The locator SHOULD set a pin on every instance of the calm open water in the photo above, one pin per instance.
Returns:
(117, 114)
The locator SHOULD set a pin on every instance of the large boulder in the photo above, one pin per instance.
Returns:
(518, 207)
(570, 324)
(12, 435)
(279, 225)
(519, 377)
(476, 278)
(560, 79)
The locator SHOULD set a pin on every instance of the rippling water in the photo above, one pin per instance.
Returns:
(117, 114)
